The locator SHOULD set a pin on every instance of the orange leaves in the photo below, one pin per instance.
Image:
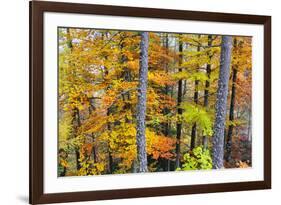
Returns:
(159, 145)
(85, 151)
(115, 95)
(161, 78)
(241, 164)
(167, 102)
(95, 123)
(63, 163)
(133, 65)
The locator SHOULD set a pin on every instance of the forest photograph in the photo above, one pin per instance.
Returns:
(138, 101)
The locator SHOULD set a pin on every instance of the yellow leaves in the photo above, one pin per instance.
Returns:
(161, 78)
(65, 129)
(181, 75)
(100, 167)
(63, 163)
(242, 53)
(90, 168)
(117, 92)
(133, 65)
(99, 78)
(130, 55)
(95, 123)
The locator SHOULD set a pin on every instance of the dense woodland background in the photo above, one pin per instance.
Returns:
(137, 101)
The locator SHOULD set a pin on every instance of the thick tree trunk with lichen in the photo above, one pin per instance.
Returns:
(221, 103)
(141, 105)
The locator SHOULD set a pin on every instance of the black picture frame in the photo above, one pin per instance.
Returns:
(37, 9)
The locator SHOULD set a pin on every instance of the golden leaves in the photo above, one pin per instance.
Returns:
(161, 78)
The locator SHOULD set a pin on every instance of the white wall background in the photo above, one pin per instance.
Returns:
(14, 101)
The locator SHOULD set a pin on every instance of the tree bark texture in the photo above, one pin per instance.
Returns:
(141, 105)
(221, 103)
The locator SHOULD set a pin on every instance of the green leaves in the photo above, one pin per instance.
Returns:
(197, 159)
(198, 114)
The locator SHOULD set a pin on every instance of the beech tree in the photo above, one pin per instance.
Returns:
(133, 101)
(141, 106)
(221, 103)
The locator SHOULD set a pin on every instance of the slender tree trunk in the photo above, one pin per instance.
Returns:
(94, 151)
(166, 110)
(193, 130)
(76, 114)
(206, 91)
(108, 112)
(195, 98)
(179, 123)
(166, 130)
(110, 158)
(250, 124)
(69, 39)
(231, 117)
(77, 151)
(221, 103)
(141, 105)
(64, 172)
(74, 111)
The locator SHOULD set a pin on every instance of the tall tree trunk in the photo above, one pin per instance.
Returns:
(231, 117)
(141, 105)
(127, 76)
(250, 124)
(221, 103)
(69, 39)
(108, 112)
(228, 141)
(110, 158)
(179, 123)
(195, 98)
(206, 91)
(77, 150)
(94, 151)
(166, 111)
(76, 115)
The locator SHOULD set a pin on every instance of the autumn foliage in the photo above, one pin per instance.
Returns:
(98, 96)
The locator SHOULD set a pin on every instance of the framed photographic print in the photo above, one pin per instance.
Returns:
(138, 102)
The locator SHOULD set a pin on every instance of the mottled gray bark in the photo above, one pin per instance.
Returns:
(221, 103)
(141, 105)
